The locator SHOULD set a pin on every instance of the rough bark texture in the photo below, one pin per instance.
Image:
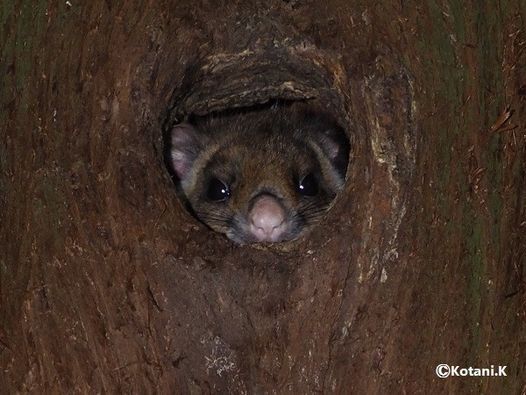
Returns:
(108, 285)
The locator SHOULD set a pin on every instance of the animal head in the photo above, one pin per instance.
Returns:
(259, 177)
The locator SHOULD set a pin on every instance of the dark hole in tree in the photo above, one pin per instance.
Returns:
(262, 173)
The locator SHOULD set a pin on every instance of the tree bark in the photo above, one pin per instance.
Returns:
(108, 285)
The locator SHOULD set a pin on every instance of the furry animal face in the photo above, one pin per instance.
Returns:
(266, 176)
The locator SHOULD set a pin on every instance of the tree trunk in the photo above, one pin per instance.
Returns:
(108, 285)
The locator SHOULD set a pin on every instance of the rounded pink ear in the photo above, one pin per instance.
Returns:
(335, 148)
(331, 147)
(186, 146)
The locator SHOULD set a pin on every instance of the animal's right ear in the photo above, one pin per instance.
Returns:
(186, 145)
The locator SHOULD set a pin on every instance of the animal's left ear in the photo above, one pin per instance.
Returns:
(330, 146)
(327, 135)
(334, 145)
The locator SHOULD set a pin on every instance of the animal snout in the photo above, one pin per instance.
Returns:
(267, 219)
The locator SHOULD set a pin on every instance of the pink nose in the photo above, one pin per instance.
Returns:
(267, 219)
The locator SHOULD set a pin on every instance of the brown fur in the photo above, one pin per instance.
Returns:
(264, 151)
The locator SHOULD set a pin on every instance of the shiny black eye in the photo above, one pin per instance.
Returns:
(308, 185)
(217, 190)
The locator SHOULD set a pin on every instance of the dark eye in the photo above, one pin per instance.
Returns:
(217, 191)
(308, 185)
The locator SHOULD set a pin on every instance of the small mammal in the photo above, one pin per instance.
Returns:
(265, 175)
